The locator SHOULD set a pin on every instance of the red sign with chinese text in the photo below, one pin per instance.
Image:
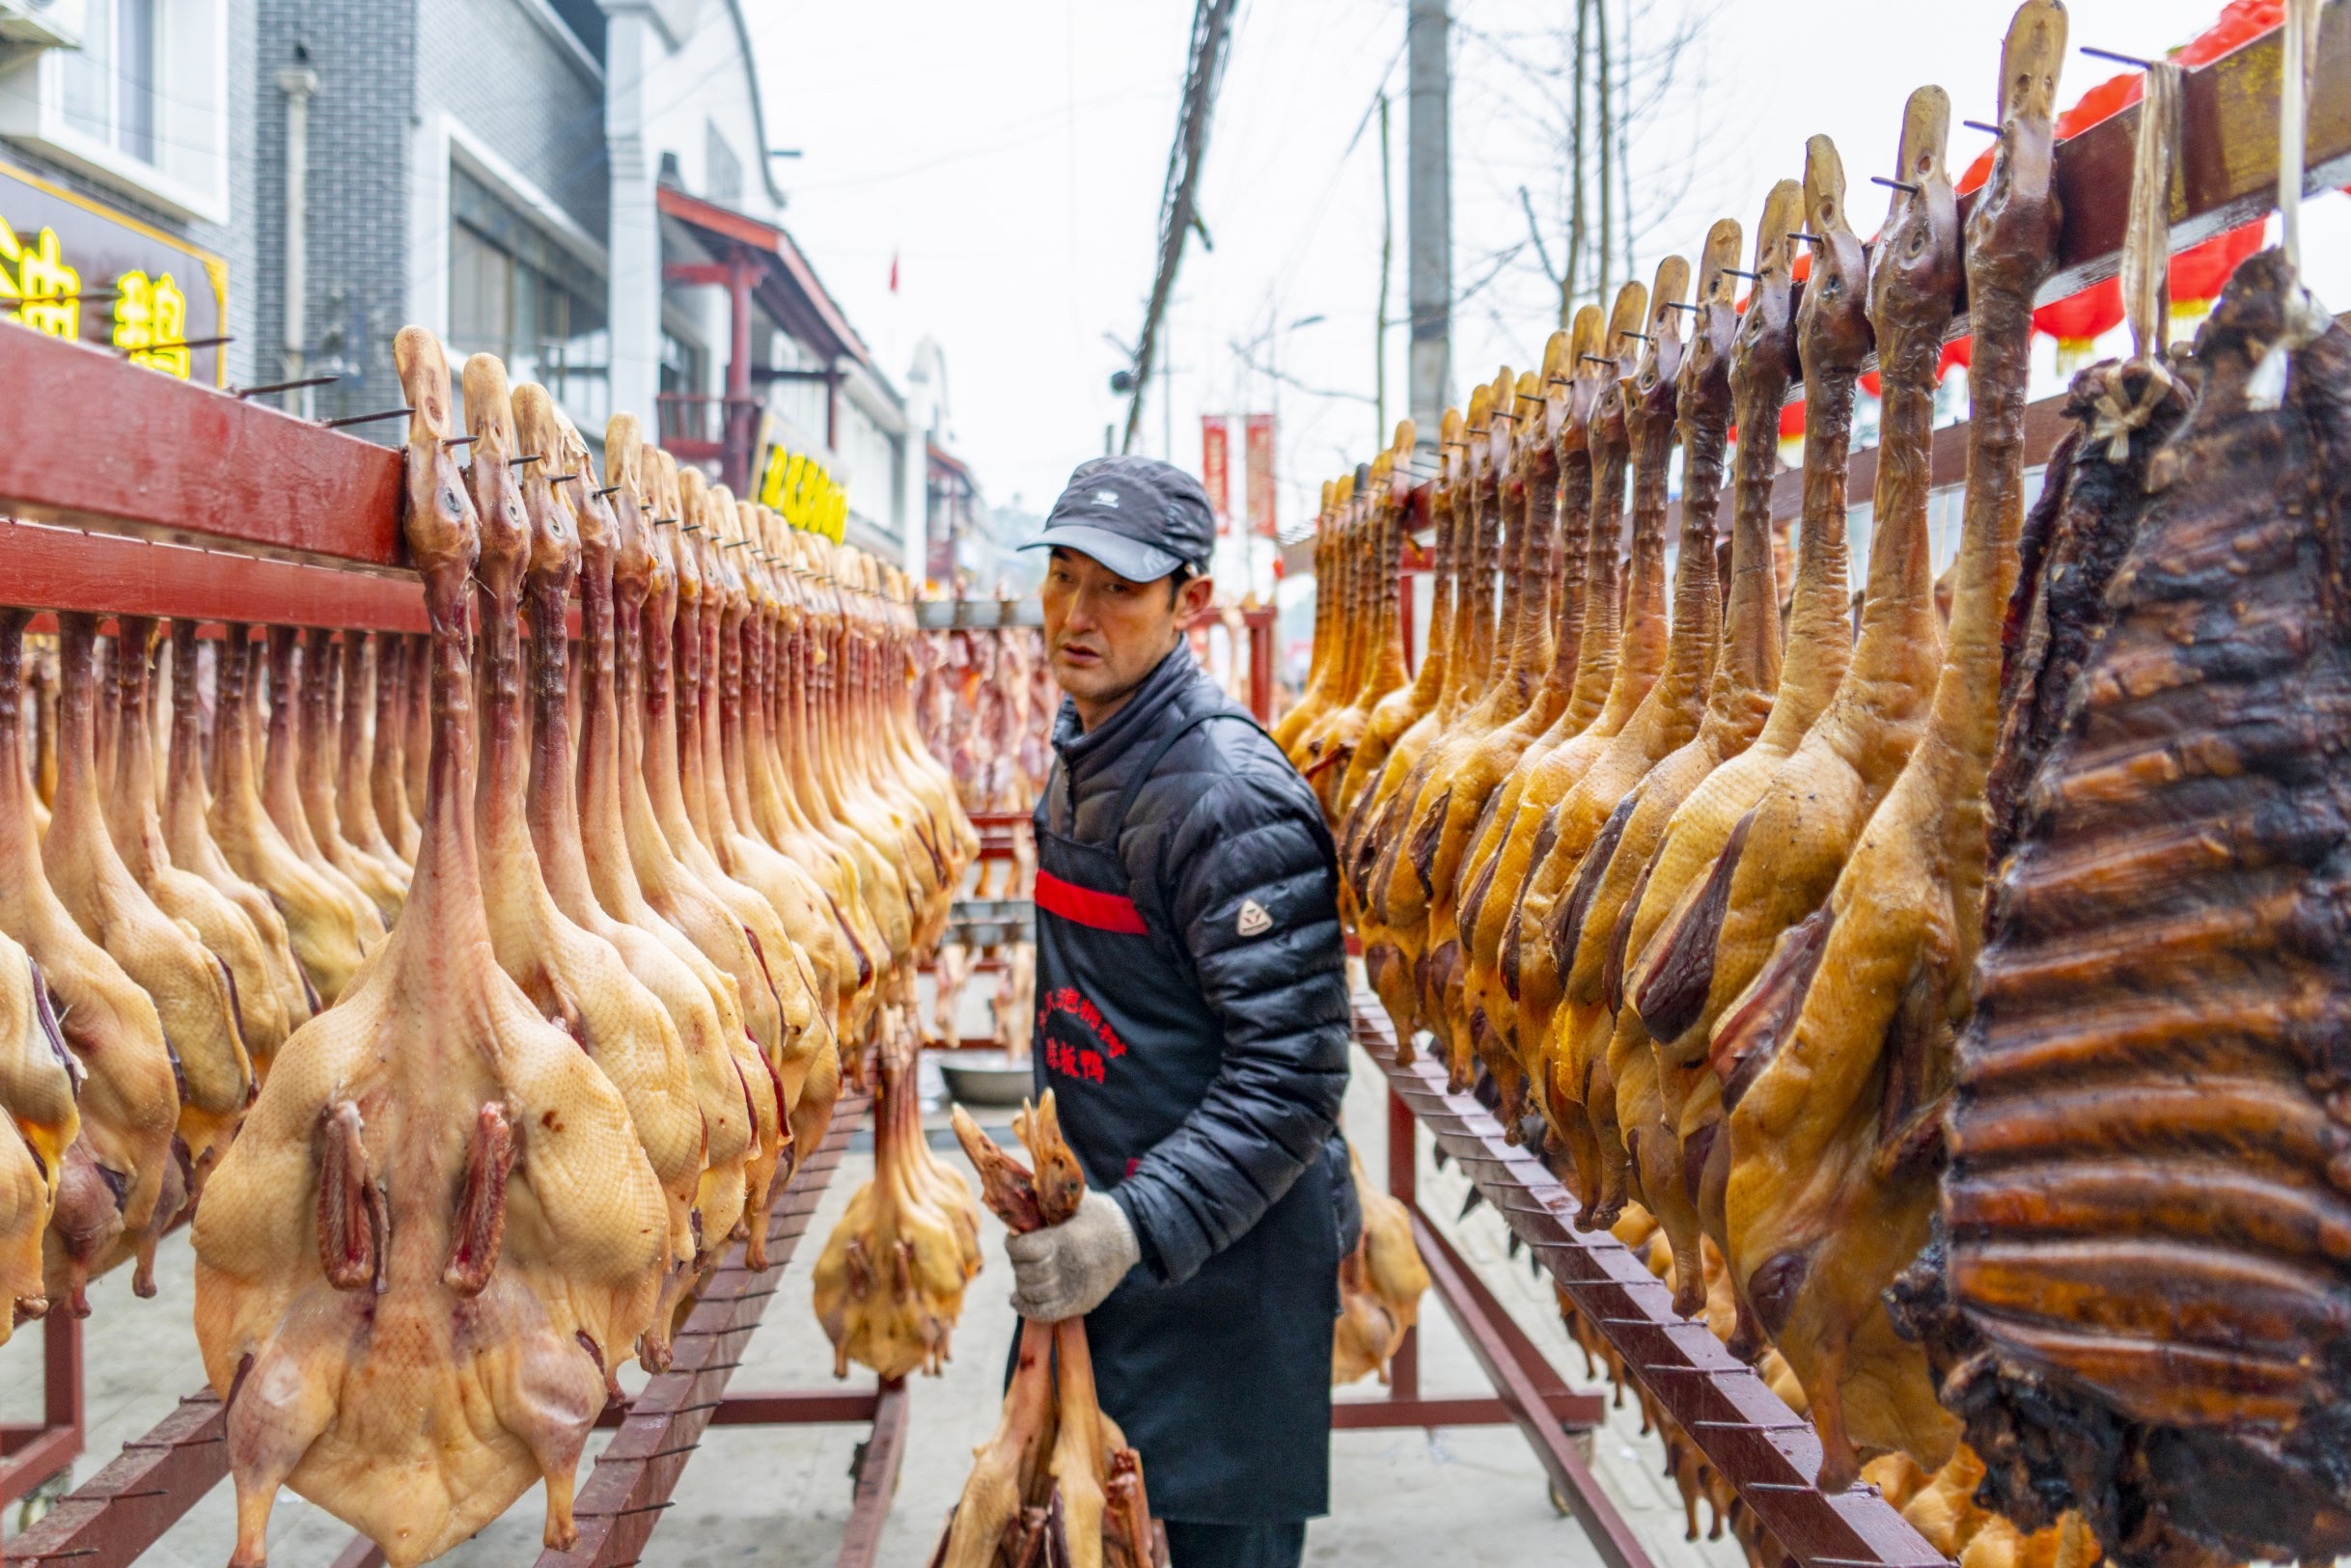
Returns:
(1257, 459)
(1216, 467)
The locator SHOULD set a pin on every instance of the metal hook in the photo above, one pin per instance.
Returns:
(287, 386)
(1902, 185)
(365, 419)
(183, 343)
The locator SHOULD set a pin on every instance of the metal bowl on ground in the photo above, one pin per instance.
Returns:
(987, 1077)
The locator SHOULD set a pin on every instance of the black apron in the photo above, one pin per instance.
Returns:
(1223, 1383)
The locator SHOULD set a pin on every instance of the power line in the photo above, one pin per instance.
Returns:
(1211, 31)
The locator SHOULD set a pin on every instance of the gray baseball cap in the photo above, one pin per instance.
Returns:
(1138, 516)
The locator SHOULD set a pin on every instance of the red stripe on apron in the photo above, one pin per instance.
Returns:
(1102, 911)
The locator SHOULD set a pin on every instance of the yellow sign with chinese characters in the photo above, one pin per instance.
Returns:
(35, 277)
(150, 321)
(150, 293)
(796, 485)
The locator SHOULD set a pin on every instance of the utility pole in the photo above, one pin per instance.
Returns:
(1578, 206)
(1608, 167)
(1387, 265)
(1428, 211)
(1178, 216)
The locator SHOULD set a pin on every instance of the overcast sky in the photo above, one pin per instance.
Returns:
(1010, 157)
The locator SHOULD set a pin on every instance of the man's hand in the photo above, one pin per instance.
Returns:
(1067, 1270)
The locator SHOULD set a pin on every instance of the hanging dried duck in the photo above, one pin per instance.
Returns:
(889, 1284)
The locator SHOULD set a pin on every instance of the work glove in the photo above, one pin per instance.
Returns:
(1064, 1271)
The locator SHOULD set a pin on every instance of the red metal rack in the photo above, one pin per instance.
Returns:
(1767, 1451)
(1259, 619)
(33, 1451)
(1526, 1392)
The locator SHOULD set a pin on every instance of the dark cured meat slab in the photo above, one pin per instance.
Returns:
(2073, 541)
(2142, 1301)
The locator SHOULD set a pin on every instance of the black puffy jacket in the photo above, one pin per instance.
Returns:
(1224, 820)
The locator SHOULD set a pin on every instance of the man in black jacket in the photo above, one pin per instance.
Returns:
(1192, 1021)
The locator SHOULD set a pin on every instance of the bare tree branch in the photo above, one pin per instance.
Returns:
(1534, 231)
(1247, 355)
(1598, 107)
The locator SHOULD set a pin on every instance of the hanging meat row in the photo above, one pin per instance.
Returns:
(985, 701)
(1958, 986)
(485, 983)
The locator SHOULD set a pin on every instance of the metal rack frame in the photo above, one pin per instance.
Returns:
(1767, 1451)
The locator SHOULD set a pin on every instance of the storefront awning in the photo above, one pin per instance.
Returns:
(787, 287)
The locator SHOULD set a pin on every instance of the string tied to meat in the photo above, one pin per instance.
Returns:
(2116, 414)
(2306, 320)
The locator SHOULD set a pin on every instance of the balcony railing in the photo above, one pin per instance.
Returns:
(690, 418)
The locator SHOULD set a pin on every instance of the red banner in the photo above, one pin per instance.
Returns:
(1215, 466)
(1257, 458)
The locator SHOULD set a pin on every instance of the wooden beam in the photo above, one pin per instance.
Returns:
(877, 1463)
(2228, 169)
(45, 567)
(96, 442)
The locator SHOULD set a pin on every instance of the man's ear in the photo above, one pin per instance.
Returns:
(1194, 597)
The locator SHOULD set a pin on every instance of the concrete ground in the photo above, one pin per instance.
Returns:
(779, 1496)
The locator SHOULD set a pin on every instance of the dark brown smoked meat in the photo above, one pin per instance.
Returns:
(2142, 1305)
(2073, 541)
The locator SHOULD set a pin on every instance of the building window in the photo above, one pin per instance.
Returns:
(685, 367)
(110, 80)
(688, 412)
(516, 294)
(586, 19)
(139, 103)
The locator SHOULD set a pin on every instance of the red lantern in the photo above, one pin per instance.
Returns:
(2240, 22)
(2076, 321)
(1954, 353)
(2200, 271)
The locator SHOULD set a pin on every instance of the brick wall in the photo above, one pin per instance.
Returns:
(364, 54)
(493, 65)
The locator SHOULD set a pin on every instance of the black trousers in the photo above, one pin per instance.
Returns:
(1235, 1546)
